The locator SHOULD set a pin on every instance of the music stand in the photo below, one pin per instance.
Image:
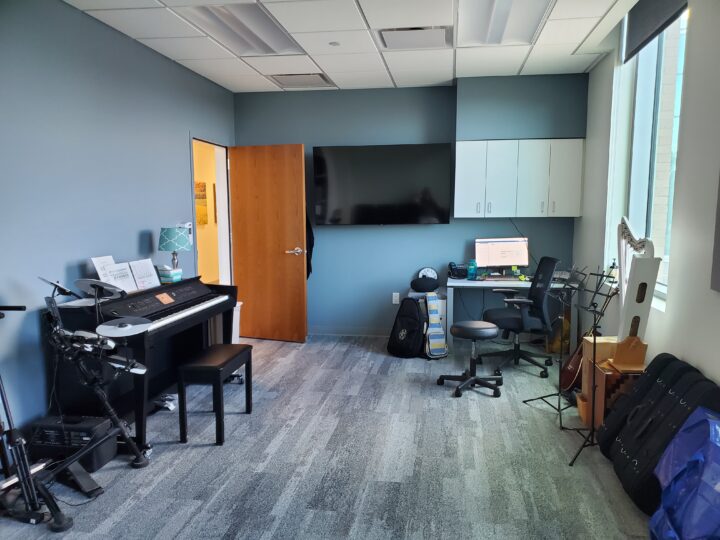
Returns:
(573, 284)
(601, 279)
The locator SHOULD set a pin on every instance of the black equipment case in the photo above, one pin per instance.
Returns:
(407, 339)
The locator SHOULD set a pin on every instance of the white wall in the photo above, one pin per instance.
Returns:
(689, 325)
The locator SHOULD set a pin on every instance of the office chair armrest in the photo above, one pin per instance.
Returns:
(524, 305)
(509, 293)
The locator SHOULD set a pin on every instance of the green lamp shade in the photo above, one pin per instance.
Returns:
(174, 239)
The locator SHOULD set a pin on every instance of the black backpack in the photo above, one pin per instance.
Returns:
(407, 339)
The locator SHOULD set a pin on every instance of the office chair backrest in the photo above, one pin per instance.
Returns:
(539, 288)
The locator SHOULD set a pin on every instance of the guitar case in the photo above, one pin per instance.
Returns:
(659, 372)
(637, 477)
(643, 422)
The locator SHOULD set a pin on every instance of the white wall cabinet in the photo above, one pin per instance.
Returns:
(470, 177)
(518, 178)
(533, 178)
(566, 168)
(502, 176)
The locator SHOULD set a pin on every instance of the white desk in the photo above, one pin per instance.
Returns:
(453, 284)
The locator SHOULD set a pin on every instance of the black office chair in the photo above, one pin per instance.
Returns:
(525, 315)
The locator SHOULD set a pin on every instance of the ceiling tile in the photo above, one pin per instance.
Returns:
(490, 61)
(232, 74)
(362, 79)
(194, 48)
(317, 15)
(184, 3)
(556, 59)
(352, 41)
(111, 4)
(564, 31)
(283, 65)
(146, 23)
(419, 60)
(407, 13)
(345, 63)
(577, 9)
(422, 78)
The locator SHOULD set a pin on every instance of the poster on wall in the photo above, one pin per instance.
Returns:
(715, 278)
(201, 212)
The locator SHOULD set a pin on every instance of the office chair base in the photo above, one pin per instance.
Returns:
(469, 379)
(516, 354)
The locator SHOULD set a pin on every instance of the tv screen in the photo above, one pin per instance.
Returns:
(383, 185)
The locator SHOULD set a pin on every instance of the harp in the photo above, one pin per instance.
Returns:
(637, 273)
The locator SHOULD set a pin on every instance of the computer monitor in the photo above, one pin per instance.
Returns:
(501, 252)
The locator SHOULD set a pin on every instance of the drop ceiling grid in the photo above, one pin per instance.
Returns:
(355, 52)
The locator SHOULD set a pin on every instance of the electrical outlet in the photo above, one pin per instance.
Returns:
(396, 298)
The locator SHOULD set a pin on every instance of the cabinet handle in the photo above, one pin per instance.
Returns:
(553, 210)
(489, 207)
(542, 207)
(478, 208)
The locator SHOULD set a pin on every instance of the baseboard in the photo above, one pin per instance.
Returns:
(356, 331)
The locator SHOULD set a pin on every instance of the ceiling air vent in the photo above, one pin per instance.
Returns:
(430, 37)
(306, 80)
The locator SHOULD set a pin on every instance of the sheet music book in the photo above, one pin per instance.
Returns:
(121, 276)
(144, 273)
(101, 264)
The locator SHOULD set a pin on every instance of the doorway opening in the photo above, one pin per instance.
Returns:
(212, 228)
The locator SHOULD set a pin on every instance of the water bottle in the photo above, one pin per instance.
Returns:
(472, 269)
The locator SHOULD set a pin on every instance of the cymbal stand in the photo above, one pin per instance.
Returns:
(573, 284)
(601, 279)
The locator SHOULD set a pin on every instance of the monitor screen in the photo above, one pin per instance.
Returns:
(382, 185)
(501, 252)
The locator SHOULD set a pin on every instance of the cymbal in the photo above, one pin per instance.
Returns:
(105, 290)
(124, 327)
(95, 340)
(123, 364)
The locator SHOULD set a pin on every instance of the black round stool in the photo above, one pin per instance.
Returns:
(475, 331)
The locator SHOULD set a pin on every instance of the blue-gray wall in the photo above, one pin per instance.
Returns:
(95, 154)
(357, 268)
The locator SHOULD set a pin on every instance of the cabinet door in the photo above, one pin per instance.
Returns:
(533, 178)
(502, 175)
(470, 171)
(566, 172)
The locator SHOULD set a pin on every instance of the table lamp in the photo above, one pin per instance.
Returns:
(174, 239)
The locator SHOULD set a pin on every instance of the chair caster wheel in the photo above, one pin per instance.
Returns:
(549, 362)
(499, 383)
(457, 393)
(440, 381)
(496, 392)
(517, 361)
(498, 372)
(544, 374)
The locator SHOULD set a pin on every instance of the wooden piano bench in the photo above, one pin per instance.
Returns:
(214, 366)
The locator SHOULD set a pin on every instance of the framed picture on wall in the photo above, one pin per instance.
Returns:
(201, 211)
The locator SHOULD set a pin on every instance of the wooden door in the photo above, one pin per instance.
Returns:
(502, 175)
(566, 172)
(533, 178)
(470, 169)
(267, 214)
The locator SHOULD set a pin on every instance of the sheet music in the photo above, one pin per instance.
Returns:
(101, 264)
(121, 276)
(144, 273)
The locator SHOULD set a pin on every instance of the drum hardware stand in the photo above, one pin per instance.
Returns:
(574, 283)
(601, 279)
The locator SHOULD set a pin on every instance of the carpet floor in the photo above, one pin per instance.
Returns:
(347, 442)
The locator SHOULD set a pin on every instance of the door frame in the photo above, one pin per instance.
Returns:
(227, 230)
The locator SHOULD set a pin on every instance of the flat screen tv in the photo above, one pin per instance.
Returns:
(382, 185)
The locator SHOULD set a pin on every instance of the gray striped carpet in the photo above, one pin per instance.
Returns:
(346, 441)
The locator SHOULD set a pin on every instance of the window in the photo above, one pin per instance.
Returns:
(656, 119)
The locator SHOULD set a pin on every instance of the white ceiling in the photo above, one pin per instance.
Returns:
(341, 38)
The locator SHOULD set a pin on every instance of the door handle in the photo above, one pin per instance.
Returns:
(296, 251)
(478, 208)
(489, 207)
(542, 207)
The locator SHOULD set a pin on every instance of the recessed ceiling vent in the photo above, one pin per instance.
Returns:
(429, 37)
(305, 81)
(245, 29)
